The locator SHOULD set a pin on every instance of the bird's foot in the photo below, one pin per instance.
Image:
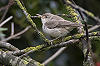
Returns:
(51, 41)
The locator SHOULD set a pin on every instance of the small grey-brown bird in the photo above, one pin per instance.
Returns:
(56, 26)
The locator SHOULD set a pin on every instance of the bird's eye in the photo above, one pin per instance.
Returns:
(45, 16)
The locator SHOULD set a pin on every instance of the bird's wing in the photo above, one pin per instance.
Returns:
(68, 23)
(51, 24)
(61, 23)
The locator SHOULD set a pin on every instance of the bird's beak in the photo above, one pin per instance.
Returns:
(39, 15)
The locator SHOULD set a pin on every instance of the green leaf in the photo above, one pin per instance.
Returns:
(3, 29)
(1, 34)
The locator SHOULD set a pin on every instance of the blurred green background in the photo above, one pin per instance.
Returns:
(73, 55)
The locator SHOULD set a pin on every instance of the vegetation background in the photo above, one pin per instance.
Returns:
(73, 55)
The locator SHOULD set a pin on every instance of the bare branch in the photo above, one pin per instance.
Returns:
(94, 27)
(54, 55)
(12, 28)
(8, 46)
(13, 36)
(5, 21)
(7, 7)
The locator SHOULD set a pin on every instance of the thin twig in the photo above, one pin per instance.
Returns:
(4, 7)
(25, 54)
(87, 43)
(94, 27)
(8, 46)
(34, 17)
(7, 7)
(4, 14)
(13, 36)
(5, 21)
(12, 28)
(54, 55)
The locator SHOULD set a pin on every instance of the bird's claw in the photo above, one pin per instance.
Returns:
(51, 41)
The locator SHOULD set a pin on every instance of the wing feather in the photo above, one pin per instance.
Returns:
(61, 23)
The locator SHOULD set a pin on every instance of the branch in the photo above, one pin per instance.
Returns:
(8, 59)
(6, 7)
(5, 21)
(89, 14)
(43, 47)
(8, 46)
(13, 36)
(85, 44)
(54, 55)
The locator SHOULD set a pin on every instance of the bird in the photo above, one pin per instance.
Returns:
(55, 26)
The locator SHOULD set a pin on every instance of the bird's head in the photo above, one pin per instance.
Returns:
(45, 17)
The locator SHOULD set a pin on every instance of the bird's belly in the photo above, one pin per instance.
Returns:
(56, 32)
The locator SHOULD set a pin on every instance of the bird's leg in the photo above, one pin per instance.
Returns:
(62, 39)
(51, 41)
